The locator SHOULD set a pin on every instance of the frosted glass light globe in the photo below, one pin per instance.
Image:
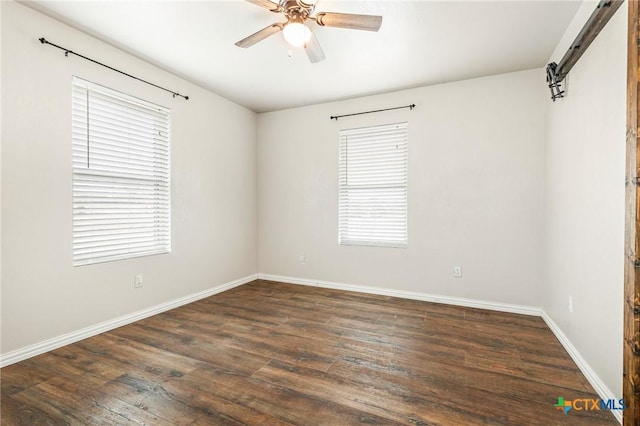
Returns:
(296, 34)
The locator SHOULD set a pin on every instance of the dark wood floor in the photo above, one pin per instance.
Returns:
(270, 353)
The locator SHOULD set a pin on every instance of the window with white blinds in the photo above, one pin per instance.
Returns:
(373, 186)
(121, 191)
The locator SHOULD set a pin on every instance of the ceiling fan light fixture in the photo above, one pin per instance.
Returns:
(296, 34)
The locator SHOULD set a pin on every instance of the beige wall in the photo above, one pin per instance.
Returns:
(585, 162)
(213, 162)
(475, 191)
(526, 195)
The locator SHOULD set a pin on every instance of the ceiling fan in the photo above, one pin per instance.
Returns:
(298, 34)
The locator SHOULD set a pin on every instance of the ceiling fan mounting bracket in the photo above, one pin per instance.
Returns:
(295, 10)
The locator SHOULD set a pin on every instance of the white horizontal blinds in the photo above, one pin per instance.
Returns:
(373, 186)
(121, 191)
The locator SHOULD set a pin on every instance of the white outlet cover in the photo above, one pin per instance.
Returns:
(457, 271)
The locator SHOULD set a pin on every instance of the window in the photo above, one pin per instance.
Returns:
(373, 186)
(121, 196)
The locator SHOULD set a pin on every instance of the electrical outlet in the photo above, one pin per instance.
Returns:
(302, 258)
(137, 281)
(457, 271)
(570, 303)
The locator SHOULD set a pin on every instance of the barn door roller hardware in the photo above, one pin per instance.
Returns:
(596, 22)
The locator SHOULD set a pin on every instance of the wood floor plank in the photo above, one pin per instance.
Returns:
(140, 390)
(282, 354)
(16, 413)
(21, 376)
(215, 350)
(277, 404)
(355, 394)
(136, 356)
(70, 402)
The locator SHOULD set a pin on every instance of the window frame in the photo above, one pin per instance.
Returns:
(149, 179)
(345, 238)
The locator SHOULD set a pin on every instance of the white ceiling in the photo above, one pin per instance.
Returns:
(419, 43)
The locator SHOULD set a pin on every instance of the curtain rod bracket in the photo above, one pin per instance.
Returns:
(67, 51)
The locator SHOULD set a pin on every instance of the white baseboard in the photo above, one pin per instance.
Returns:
(66, 339)
(449, 300)
(598, 385)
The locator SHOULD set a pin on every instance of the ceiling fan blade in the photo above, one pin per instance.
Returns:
(349, 20)
(260, 35)
(313, 49)
(266, 4)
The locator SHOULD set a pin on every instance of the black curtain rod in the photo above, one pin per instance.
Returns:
(335, 117)
(67, 51)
